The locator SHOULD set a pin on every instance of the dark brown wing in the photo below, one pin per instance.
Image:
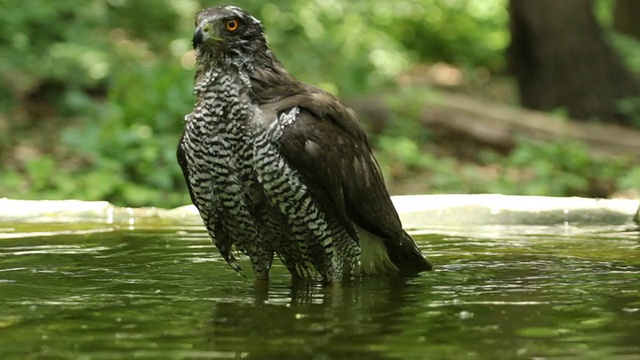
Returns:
(329, 148)
(182, 161)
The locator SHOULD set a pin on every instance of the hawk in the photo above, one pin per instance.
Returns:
(278, 167)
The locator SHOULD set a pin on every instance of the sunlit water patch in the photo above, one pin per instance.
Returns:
(99, 292)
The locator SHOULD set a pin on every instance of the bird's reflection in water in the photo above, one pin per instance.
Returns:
(310, 320)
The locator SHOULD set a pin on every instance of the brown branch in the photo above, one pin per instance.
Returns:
(500, 125)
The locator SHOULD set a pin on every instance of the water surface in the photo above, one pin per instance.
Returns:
(109, 292)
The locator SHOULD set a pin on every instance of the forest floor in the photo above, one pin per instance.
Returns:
(469, 167)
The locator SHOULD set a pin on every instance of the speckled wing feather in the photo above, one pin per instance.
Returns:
(182, 161)
(329, 148)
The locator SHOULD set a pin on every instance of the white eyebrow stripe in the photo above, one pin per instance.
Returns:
(241, 13)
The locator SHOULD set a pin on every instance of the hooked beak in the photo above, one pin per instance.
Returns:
(204, 33)
(198, 37)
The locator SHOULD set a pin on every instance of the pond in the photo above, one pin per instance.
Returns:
(100, 291)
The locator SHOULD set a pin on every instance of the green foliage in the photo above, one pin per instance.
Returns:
(630, 178)
(562, 168)
(123, 98)
(629, 50)
(630, 107)
(462, 32)
(558, 169)
(94, 91)
(376, 40)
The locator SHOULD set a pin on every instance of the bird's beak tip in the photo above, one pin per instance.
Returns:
(206, 32)
(198, 37)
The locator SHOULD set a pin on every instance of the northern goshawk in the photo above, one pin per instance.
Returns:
(276, 166)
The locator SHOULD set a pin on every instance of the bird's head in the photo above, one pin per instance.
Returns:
(227, 33)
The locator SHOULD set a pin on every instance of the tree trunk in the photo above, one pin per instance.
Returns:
(626, 17)
(561, 60)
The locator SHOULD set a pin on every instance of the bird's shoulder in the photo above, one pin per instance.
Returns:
(317, 108)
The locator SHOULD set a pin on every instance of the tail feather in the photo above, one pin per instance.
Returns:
(381, 256)
(407, 256)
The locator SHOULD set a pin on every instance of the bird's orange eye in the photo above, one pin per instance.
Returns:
(232, 25)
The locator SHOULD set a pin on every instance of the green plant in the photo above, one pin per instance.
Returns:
(94, 93)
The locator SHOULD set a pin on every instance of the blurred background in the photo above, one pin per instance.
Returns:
(93, 92)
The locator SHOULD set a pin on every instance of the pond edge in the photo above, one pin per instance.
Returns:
(416, 211)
